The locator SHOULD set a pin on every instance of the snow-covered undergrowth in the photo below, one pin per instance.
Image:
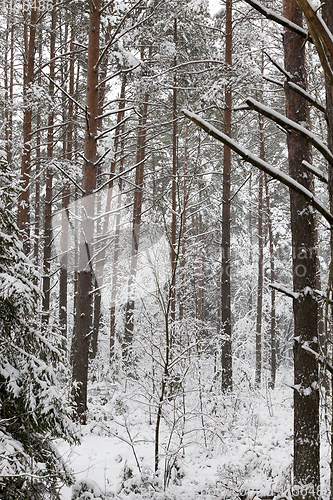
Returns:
(211, 446)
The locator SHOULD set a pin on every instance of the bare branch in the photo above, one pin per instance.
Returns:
(64, 92)
(279, 67)
(69, 177)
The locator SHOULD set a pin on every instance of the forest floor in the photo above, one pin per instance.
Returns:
(244, 444)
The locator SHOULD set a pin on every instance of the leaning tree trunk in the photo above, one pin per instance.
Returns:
(84, 305)
(306, 392)
(225, 280)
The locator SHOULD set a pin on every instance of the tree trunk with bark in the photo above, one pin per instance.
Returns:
(272, 278)
(183, 229)
(23, 216)
(48, 178)
(136, 223)
(99, 226)
(328, 18)
(174, 189)
(306, 392)
(119, 133)
(84, 306)
(260, 258)
(9, 83)
(63, 285)
(38, 162)
(225, 285)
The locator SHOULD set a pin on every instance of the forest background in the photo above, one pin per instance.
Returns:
(157, 290)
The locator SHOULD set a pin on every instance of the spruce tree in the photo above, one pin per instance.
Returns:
(32, 411)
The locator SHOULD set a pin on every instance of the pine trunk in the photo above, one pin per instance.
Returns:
(63, 285)
(225, 284)
(117, 239)
(99, 227)
(260, 260)
(38, 163)
(174, 191)
(48, 179)
(137, 210)
(23, 216)
(272, 278)
(84, 305)
(306, 392)
(328, 18)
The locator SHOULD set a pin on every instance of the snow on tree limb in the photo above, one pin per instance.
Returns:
(292, 126)
(286, 291)
(261, 164)
(318, 24)
(320, 359)
(270, 14)
(307, 96)
(322, 38)
(318, 173)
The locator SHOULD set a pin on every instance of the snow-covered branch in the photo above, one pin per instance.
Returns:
(283, 289)
(270, 14)
(318, 357)
(307, 96)
(318, 173)
(318, 24)
(292, 126)
(322, 37)
(261, 164)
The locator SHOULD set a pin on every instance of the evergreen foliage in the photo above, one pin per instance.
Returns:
(32, 411)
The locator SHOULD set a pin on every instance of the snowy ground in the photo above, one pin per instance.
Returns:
(246, 446)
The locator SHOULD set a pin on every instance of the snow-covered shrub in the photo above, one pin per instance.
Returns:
(86, 489)
(32, 412)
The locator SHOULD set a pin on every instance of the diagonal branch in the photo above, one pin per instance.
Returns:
(292, 126)
(307, 96)
(318, 24)
(261, 164)
(270, 14)
(318, 173)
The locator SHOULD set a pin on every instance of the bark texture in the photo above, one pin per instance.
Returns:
(225, 284)
(84, 305)
(23, 217)
(306, 393)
